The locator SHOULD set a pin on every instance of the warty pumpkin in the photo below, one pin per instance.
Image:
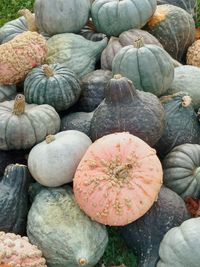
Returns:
(118, 179)
(193, 54)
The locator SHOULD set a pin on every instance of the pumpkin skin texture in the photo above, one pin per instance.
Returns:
(118, 179)
(93, 86)
(179, 247)
(181, 170)
(127, 109)
(58, 170)
(24, 125)
(7, 92)
(14, 204)
(174, 28)
(78, 240)
(113, 17)
(193, 54)
(182, 125)
(54, 85)
(133, 62)
(70, 16)
(18, 56)
(75, 52)
(144, 235)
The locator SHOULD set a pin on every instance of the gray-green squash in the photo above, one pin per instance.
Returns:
(7, 92)
(75, 52)
(113, 17)
(55, 218)
(54, 85)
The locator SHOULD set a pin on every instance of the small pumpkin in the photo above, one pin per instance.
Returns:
(193, 54)
(179, 247)
(174, 28)
(118, 179)
(134, 62)
(54, 85)
(7, 92)
(127, 109)
(60, 154)
(23, 125)
(114, 17)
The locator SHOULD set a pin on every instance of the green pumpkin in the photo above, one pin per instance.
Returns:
(7, 92)
(149, 67)
(113, 17)
(75, 52)
(55, 218)
(54, 85)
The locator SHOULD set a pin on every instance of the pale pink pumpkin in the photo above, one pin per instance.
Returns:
(16, 251)
(118, 179)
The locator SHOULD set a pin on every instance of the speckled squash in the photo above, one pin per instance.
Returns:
(174, 28)
(113, 17)
(54, 85)
(193, 54)
(14, 203)
(181, 170)
(182, 125)
(62, 16)
(93, 89)
(24, 125)
(78, 240)
(134, 62)
(7, 92)
(144, 235)
(118, 179)
(75, 52)
(180, 245)
(127, 109)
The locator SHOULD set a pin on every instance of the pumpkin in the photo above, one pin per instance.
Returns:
(179, 247)
(93, 86)
(7, 92)
(174, 28)
(181, 169)
(57, 170)
(182, 125)
(118, 179)
(66, 49)
(90, 33)
(144, 235)
(126, 38)
(187, 79)
(134, 62)
(18, 251)
(78, 240)
(193, 54)
(14, 204)
(23, 125)
(63, 16)
(18, 56)
(127, 109)
(114, 17)
(54, 85)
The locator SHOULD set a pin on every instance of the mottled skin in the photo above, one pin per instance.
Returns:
(144, 235)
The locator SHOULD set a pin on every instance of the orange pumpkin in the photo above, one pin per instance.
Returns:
(118, 179)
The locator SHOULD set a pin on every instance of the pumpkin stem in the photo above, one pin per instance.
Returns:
(117, 76)
(47, 70)
(82, 262)
(139, 43)
(30, 19)
(186, 101)
(19, 105)
(50, 138)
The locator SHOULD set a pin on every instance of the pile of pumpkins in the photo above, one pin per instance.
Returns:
(99, 126)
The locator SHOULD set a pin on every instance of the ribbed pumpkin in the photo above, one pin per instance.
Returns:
(182, 170)
(127, 109)
(14, 203)
(54, 85)
(23, 125)
(55, 218)
(118, 179)
(7, 92)
(149, 67)
(193, 54)
(174, 28)
(114, 17)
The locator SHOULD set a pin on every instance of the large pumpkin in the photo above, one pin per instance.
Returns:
(127, 109)
(149, 67)
(114, 17)
(23, 125)
(118, 179)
